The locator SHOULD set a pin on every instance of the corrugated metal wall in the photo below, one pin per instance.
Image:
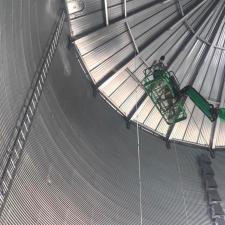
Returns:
(23, 39)
(80, 162)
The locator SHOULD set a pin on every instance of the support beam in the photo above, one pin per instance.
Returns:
(216, 127)
(187, 15)
(70, 44)
(82, 63)
(140, 101)
(221, 92)
(164, 29)
(133, 11)
(135, 78)
(170, 129)
(146, 64)
(125, 8)
(129, 60)
(220, 7)
(106, 13)
(132, 38)
(192, 30)
(181, 8)
(219, 47)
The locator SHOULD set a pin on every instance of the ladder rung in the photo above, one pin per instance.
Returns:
(31, 110)
(35, 95)
(4, 185)
(28, 118)
(23, 136)
(9, 174)
(42, 79)
(25, 125)
(1, 197)
(16, 153)
(40, 85)
(12, 162)
(34, 103)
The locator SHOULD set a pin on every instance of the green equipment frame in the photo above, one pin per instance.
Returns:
(163, 89)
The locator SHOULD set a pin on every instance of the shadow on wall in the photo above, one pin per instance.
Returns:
(64, 55)
(51, 9)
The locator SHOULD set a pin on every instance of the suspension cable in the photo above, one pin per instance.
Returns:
(139, 165)
(138, 143)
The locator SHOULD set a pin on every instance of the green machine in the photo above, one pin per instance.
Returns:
(163, 89)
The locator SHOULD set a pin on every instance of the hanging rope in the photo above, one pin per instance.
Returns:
(139, 163)
(138, 144)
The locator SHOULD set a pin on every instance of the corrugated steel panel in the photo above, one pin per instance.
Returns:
(77, 169)
(21, 50)
(109, 51)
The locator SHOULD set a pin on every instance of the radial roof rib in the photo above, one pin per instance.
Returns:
(125, 8)
(189, 13)
(180, 7)
(190, 38)
(93, 16)
(156, 31)
(201, 60)
(142, 54)
(143, 45)
(131, 57)
(206, 75)
(216, 127)
(216, 55)
(139, 101)
(191, 35)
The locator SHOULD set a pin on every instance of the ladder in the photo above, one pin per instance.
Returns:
(14, 150)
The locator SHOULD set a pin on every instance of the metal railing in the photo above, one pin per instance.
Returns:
(10, 160)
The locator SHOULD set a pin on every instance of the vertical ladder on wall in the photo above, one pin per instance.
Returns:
(10, 161)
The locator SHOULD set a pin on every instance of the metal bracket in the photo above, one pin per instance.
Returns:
(212, 153)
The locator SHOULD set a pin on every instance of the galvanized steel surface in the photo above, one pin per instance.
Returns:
(80, 162)
(192, 36)
(14, 151)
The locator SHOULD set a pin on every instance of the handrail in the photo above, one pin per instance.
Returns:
(10, 161)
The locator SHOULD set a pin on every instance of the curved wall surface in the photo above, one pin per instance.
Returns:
(80, 163)
(24, 31)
